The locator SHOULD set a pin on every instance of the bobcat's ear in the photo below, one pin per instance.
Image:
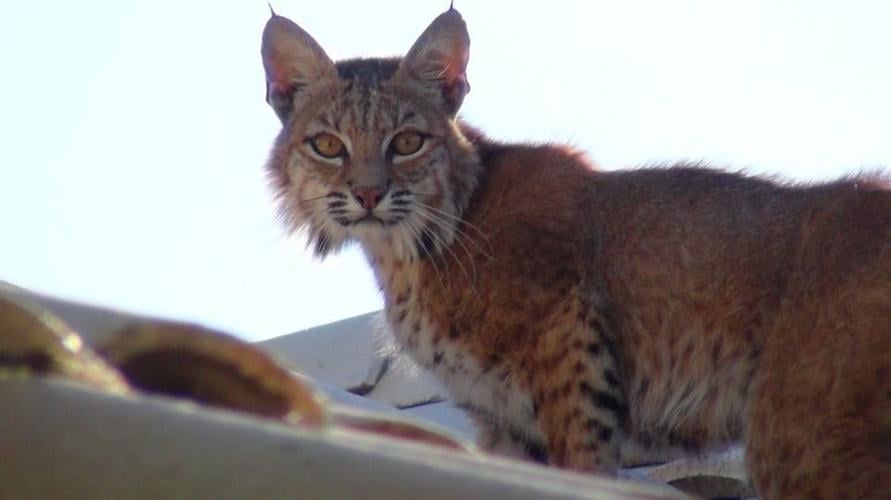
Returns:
(292, 60)
(439, 58)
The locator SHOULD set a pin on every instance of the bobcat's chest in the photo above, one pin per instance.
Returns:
(487, 392)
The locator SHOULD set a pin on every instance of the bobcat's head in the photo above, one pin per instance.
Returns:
(369, 148)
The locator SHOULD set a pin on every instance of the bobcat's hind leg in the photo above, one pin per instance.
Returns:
(819, 418)
(816, 432)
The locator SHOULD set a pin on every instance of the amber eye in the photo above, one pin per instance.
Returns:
(327, 145)
(406, 143)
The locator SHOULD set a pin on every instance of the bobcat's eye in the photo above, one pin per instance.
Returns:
(406, 143)
(327, 145)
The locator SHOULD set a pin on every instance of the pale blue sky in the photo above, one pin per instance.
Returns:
(134, 133)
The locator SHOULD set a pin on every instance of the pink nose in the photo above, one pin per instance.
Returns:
(368, 197)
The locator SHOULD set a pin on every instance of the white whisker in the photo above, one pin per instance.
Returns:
(458, 230)
(416, 233)
(440, 223)
(316, 198)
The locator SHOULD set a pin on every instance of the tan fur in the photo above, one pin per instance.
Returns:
(573, 312)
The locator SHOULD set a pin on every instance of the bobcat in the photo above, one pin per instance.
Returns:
(574, 313)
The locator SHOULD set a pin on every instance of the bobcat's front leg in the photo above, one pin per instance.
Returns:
(579, 403)
(498, 437)
(506, 442)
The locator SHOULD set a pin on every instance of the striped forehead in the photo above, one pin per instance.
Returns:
(363, 106)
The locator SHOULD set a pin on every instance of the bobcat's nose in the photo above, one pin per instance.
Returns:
(369, 197)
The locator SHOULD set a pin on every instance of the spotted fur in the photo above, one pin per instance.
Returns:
(575, 313)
